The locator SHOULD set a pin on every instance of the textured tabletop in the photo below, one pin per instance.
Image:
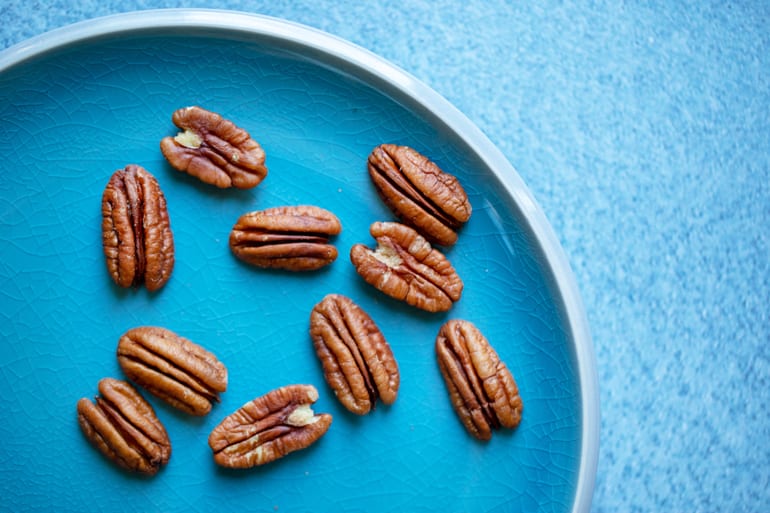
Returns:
(643, 131)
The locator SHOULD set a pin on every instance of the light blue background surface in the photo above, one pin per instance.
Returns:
(643, 130)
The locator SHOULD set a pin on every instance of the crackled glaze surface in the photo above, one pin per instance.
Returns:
(74, 115)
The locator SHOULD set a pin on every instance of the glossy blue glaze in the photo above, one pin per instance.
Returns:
(74, 115)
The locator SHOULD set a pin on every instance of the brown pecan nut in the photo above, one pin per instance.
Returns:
(269, 427)
(357, 361)
(481, 388)
(419, 192)
(406, 267)
(136, 232)
(124, 427)
(173, 368)
(294, 238)
(214, 150)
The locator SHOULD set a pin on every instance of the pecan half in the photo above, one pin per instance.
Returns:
(136, 231)
(419, 192)
(406, 267)
(357, 361)
(481, 388)
(124, 427)
(294, 238)
(173, 368)
(214, 150)
(269, 427)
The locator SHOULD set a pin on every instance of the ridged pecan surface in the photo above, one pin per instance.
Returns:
(294, 238)
(124, 427)
(136, 231)
(420, 193)
(214, 150)
(173, 368)
(405, 266)
(269, 427)
(482, 389)
(357, 361)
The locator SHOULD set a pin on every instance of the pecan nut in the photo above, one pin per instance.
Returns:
(406, 267)
(136, 231)
(482, 389)
(357, 361)
(269, 427)
(173, 368)
(124, 427)
(214, 150)
(294, 238)
(419, 192)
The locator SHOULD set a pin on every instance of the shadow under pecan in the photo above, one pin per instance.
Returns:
(269, 427)
(124, 427)
(214, 150)
(136, 231)
(483, 391)
(173, 368)
(406, 267)
(420, 193)
(294, 238)
(357, 361)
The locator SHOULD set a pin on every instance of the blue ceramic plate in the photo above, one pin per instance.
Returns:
(78, 103)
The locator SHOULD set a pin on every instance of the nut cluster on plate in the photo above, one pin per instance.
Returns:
(357, 361)
(122, 424)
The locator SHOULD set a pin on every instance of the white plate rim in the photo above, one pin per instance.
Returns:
(411, 88)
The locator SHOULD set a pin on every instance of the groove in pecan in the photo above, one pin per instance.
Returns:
(269, 427)
(357, 361)
(173, 368)
(123, 426)
(294, 238)
(136, 231)
(482, 390)
(214, 150)
(406, 267)
(420, 193)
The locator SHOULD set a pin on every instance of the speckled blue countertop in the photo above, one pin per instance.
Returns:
(643, 131)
